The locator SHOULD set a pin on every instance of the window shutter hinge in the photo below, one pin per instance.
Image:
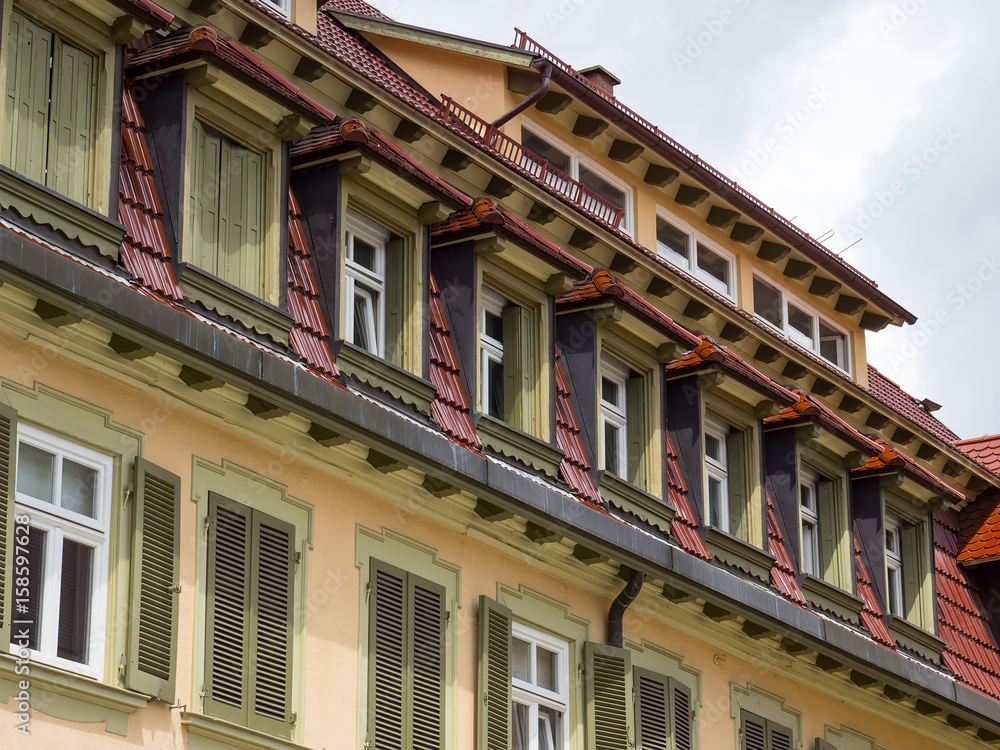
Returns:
(368, 593)
(447, 615)
(129, 493)
(292, 718)
(121, 668)
(297, 558)
(209, 523)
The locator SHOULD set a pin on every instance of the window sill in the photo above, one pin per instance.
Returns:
(512, 443)
(738, 553)
(64, 695)
(628, 497)
(228, 301)
(207, 732)
(915, 639)
(387, 377)
(48, 208)
(832, 599)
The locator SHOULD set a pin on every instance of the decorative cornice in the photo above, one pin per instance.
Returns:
(387, 377)
(510, 442)
(738, 553)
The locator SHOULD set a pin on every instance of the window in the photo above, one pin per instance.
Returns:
(664, 712)
(364, 288)
(809, 513)
(491, 343)
(251, 569)
(758, 733)
(713, 268)
(725, 477)
(49, 128)
(540, 690)
(63, 493)
(227, 210)
(800, 324)
(614, 424)
(573, 166)
(281, 6)
(508, 348)
(894, 566)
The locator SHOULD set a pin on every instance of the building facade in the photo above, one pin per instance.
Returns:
(364, 386)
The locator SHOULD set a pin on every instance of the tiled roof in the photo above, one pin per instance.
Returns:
(984, 449)
(144, 249)
(891, 394)
(309, 336)
(450, 407)
(352, 134)
(810, 409)
(871, 610)
(979, 539)
(889, 458)
(574, 467)
(360, 7)
(487, 215)
(602, 285)
(783, 570)
(970, 648)
(206, 43)
(684, 526)
(148, 12)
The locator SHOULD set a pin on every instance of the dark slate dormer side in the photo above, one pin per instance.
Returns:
(684, 421)
(867, 525)
(454, 267)
(576, 337)
(781, 483)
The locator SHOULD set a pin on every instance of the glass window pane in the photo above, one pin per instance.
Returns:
(609, 391)
(79, 488)
(546, 666)
(364, 254)
(832, 345)
(767, 302)
(494, 327)
(365, 307)
(554, 156)
(522, 660)
(495, 407)
(713, 447)
(603, 188)
(74, 601)
(714, 502)
(519, 735)
(35, 564)
(714, 265)
(807, 497)
(801, 322)
(671, 238)
(611, 448)
(549, 726)
(35, 472)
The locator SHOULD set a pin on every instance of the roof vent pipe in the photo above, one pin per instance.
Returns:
(617, 612)
(542, 91)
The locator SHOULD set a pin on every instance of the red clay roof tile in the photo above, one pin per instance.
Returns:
(871, 610)
(890, 458)
(890, 394)
(450, 407)
(979, 537)
(984, 449)
(146, 11)
(684, 526)
(783, 569)
(360, 7)
(574, 467)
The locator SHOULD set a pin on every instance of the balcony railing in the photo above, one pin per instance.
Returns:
(514, 153)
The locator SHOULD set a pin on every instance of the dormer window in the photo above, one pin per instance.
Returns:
(712, 267)
(894, 566)
(364, 287)
(492, 354)
(809, 514)
(614, 418)
(717, 474)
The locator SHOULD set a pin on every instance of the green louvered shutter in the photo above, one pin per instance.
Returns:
(635, 425)
(514, 394)
(608, 697)
(681, 715)
(394, 302)
(495, 673)
(652, 710)
(386, 658)
(204, 200)
(29, 54)
(778, 737)
(737, 479)
(8, 467)
(753, 732)
(426, 664)
(829, 531)
(71, 121)
(271, 604)
(240, 216)
(152, 640)
(229, 617)
(908, 542)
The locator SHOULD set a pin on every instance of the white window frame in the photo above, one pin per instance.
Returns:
(60, 524)
(811, 544)
(627, 224)
(718, 470)
(689, 261)
(376, 236)
(614, 414)
(490, 349)
(794, 335)
(283, 7)
(894, 566)
(533, 696)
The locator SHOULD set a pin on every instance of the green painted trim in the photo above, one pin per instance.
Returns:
(765, 705)
(64, 695)
(44, 206)
(513, 443)
(207, 733)
(845, 738)
(228, 301)
(628, 497)
(832, 599)
(915, 639)
(732, 550)
(382, 374)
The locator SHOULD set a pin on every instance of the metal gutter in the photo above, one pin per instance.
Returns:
(542, 90)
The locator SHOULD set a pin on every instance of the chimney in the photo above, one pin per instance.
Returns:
(601, 79)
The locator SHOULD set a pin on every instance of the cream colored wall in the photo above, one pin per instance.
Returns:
(330, 711)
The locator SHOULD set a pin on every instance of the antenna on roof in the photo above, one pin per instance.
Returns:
(825, 236)
(841, 253)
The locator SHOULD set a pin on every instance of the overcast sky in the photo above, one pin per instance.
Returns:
(876, 120)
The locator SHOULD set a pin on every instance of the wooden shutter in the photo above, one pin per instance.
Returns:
(240, 186)
(912, 579)
(229, 618)
(426, 664)
(736, 464)
(753, 732)
(29, 53)
(495, 673)
(272, 574)
(152, 640)
(829, 531)
(202, 250)
(71, 121)
(778, 737)
(635, 426)
(652, 710)
(681, 715)
(518, 366)
(395, 310)
(608, 697)
(8, 469)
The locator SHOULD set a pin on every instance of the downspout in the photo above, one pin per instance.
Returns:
(617, 612)
(542, 91)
